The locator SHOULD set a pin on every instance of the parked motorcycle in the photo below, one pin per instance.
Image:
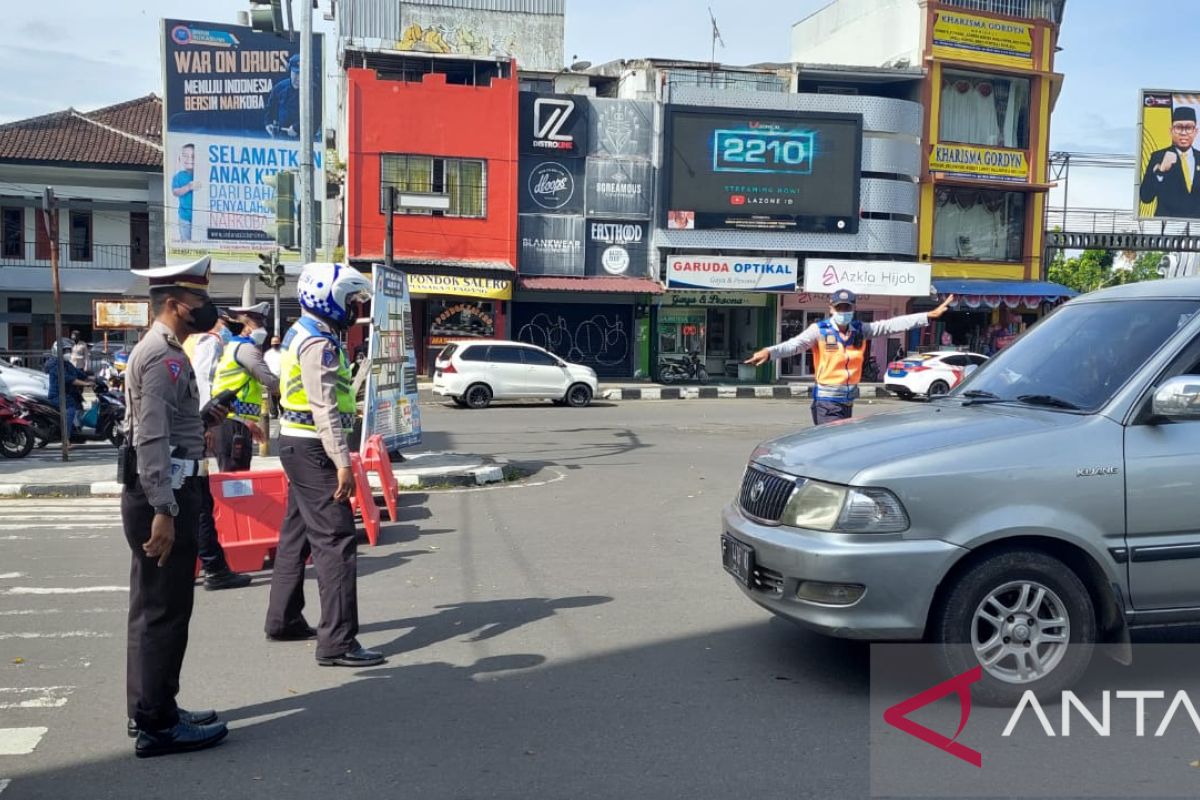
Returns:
(100, 422)
(690, 368)
(16, 434)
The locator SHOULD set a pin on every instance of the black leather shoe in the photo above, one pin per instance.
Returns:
(225, 580)
(358, 656)
(206, 717)
(296, 633)
(183, 738)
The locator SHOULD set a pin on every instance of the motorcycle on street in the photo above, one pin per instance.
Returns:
(101, 421)
(16, 434)
(689, 368)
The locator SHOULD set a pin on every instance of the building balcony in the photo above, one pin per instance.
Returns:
(118, 257)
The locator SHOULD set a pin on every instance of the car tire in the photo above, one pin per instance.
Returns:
(938, 388)
(458, 401)
(579, 395)
(904, 394)
(1049, 590)
(478, 395)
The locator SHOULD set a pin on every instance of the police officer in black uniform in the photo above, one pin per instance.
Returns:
(160, 507)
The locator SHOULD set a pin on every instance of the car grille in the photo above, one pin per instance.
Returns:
(765, 503)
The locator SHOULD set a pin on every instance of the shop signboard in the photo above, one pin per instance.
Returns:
(992, 163)
(1167, 126)
(617, 249)
(621, 129)
(732, 273)
(549, 186)
(968, 37)
(391, 395)
(887, 278)
(762, 170)
(484, 288)
(553, 125)
(550, 245)
(742, 299)
(619, 188)
(231, 124)
(452, 320)
(118, 315)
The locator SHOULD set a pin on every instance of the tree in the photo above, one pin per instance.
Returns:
(1093, 269)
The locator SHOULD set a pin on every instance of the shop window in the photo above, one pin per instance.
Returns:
(985, 110)
(81, 236)
(462, 181)
(979, 225)
(12, 233)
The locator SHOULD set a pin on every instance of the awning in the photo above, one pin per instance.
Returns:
(555, 283)
(993, 294)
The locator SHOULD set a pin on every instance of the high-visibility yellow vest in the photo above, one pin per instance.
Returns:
(293, 400)
(247, 405)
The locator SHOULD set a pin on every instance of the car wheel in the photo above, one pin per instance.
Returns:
(938, 388)
(1023, 616)
(458, 401)
(478, 396)
(904, 394)
(579, 395)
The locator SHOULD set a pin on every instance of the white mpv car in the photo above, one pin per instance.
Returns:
(475, 373)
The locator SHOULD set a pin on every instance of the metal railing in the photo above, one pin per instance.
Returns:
(95, 256)
(1113, 220)
(1026, 9)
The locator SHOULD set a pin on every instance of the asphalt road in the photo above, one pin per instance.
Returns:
(575, 637)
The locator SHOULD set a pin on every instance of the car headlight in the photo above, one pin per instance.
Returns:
(826, 507)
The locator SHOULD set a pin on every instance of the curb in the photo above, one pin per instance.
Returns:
(726, 393)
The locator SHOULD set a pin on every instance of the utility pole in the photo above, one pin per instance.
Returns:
(391, 215)
(308, 250)
(50, 220)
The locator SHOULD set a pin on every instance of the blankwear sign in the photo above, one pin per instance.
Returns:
(889, 278)
(732, 273)
(550, 245)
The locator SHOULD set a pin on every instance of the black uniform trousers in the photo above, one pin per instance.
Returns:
(212, 555)
(234, 446)
(828, 411)
(316, 525)
(160, 606)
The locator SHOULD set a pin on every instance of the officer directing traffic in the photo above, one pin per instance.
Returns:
(839, 345)
(241, 369)
(160, 506)
(318, 410)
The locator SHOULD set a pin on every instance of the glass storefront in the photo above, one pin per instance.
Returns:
(979, 225)
(722, 329)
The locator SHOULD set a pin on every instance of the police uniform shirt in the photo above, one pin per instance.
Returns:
(164, 406)
(206, 353)
(319, 360)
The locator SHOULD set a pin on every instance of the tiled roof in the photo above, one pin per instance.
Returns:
(554, 283)
(128, 134)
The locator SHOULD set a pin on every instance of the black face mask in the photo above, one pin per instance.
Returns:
(203, 318)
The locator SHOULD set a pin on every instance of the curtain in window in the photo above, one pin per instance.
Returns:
(968, 111)
(467, 189)
(408, 173)
(1018, 98)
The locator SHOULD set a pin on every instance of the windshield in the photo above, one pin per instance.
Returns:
(1078, 357)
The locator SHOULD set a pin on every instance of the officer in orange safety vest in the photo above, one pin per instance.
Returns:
(839, 345)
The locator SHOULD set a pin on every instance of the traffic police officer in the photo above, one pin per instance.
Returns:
(839, 358)
(318, 410)
(160, 506)
(242, 370)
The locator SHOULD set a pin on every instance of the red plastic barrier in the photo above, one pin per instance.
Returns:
(376, 460)
(249, 508)
(364, 499)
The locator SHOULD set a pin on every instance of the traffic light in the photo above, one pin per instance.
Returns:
(267, 16)
(284, 184)
(270, 271)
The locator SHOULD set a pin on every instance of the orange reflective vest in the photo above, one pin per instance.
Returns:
(839, 362)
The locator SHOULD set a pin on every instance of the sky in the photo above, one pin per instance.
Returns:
(85, 54)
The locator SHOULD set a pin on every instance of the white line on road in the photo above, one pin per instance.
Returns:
(63, 635)
(62, 589)
(65, 526)
(20, 741)
(4, 782)
(35, 697)
(30, 612)
(4, 576)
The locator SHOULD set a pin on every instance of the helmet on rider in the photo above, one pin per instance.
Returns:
(329, 290)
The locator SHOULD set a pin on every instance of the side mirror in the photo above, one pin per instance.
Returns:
(1178, 399)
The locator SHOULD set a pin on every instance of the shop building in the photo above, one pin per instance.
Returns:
(989, 90)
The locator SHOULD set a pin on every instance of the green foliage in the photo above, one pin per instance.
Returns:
(1093, 269)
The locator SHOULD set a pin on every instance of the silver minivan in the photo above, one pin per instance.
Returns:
(1050, 502)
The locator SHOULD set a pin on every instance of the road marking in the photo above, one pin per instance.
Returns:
(20, 741)
(4, 782)
(65, 526)
(62, 589)
(29, 612)
(62, 635)
(34, 697)
(4, 576)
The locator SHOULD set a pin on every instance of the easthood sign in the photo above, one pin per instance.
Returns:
(890, 278)
(732, 273)
(618, 248)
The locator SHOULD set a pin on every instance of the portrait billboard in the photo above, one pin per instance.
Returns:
(1168, 161)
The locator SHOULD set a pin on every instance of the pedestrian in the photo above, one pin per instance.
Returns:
(204, 352)
(243, 371)
(272, 357)
(318, 411)
(80, 352)
(74, 379)
(839, 345)
(160, 506)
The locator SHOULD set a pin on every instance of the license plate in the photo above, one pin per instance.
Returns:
(737, 558)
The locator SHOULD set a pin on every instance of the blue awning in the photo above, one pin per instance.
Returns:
(975, 293)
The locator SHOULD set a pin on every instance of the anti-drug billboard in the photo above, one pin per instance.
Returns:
(391, 397)
(1169, 163)
(231, 122)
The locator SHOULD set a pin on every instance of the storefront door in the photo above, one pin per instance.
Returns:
(596, 335)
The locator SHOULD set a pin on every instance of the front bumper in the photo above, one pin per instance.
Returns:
(900, 576)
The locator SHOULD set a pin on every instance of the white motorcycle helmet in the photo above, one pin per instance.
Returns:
(329, 290)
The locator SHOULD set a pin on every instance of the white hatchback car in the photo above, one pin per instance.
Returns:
(475, 373)
(930, 374)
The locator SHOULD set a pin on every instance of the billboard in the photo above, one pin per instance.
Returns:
(231, 123)
(621, 128)
(619, 188)
(550, 186)
(617, 249)
(762, 170)
(1169, 163)
(732, 273)
(391, 397)
(550, 245)
(887, 278)
(553, 125)
(967, 37)
(972, 161)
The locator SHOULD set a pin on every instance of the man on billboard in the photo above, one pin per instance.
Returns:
(283, 104)
(1171, 175)
(183, 185)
